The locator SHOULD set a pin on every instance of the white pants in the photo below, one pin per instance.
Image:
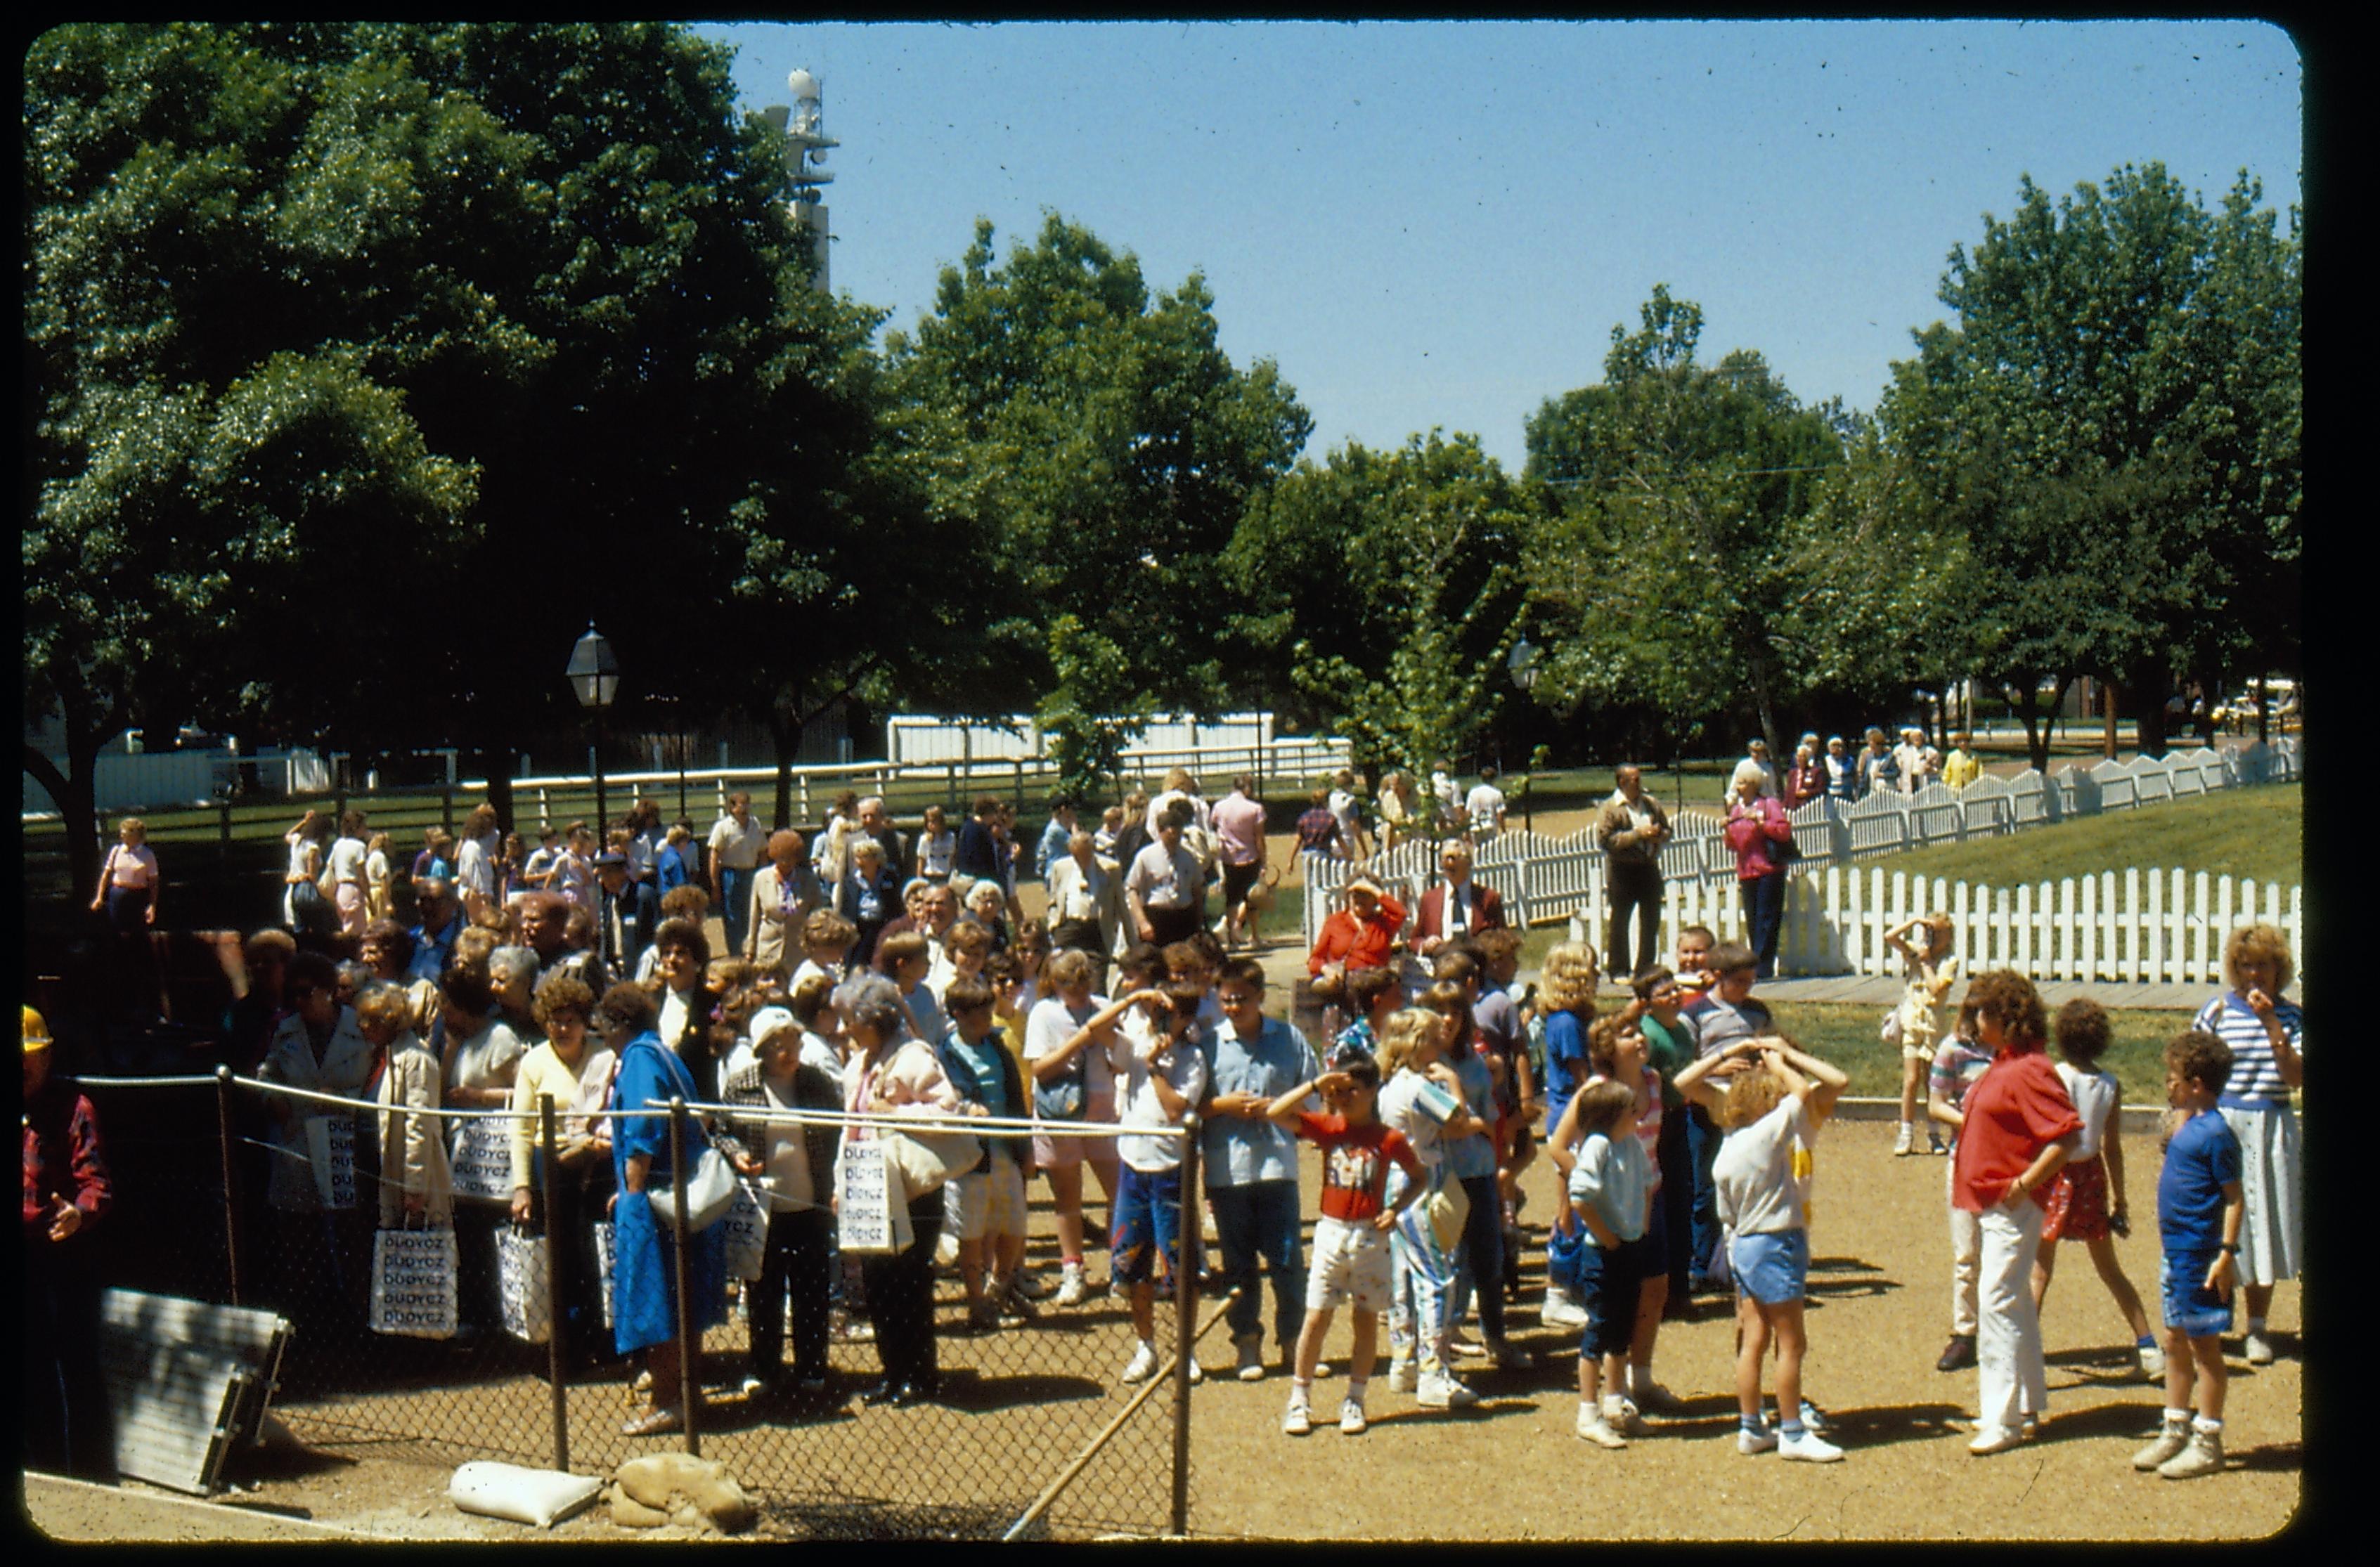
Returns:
(2008, 1334)
(1966, 1255)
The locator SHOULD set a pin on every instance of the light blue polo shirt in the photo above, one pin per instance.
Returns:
(1241, 1151)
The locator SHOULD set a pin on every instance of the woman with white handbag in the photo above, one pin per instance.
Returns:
(894, 1072)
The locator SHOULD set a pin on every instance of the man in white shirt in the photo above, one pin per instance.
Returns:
(1485, 806)
(1755, 764)
(736, 842)
(1164, 889)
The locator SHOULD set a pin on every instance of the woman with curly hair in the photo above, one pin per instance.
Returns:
(1566, 1001)
(2018, 1127)
(2267, 1040)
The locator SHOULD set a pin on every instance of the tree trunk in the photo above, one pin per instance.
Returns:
(497, 763)
(2261, 705)
(2109, 696)
(2150, 690)
(1764, 702)
(785, 729)
(75, 792)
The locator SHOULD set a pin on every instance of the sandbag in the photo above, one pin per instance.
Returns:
(519, 1495)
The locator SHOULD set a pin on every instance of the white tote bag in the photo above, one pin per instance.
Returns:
(747, 1231)
(522, 1284)
(482, 1160)
(871, 1206)
(331, 1149)
(413, 1284)
(604, 1252)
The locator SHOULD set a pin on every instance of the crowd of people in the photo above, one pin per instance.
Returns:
(1682, 1124)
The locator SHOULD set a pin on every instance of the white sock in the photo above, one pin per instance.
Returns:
(2177, 1416)
(2207, 1427)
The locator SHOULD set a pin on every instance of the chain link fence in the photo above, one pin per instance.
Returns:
(1032, 1433)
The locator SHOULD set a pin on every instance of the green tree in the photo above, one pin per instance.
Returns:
(2112, 425)
(557, 251)
(1106, 447)
(1690, 566)
(1385, 588)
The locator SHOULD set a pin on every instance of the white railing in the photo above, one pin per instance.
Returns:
(1545, 879)
(815, 785)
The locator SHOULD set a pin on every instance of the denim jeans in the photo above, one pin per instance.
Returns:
(1257, 1223)
(1702, 1137)
(1483, 1258)
(736, 892)
(1764, 910)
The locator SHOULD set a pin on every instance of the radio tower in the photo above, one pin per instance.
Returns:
(805, 146)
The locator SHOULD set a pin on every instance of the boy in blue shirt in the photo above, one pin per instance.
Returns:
(1252, 1162)
(2199, 1210)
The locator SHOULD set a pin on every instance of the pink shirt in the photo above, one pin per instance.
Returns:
(131, 867)
(911, 1076)
(1240, 822)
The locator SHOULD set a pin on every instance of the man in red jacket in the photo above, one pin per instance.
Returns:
(1456, 906)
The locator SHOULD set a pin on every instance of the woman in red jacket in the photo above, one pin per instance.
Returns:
(1761, 837)
(1360, 936)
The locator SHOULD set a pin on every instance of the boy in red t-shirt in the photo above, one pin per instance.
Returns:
(1350, 1236)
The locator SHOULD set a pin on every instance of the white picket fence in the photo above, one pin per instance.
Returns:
(1835, 921)
(2143, 927)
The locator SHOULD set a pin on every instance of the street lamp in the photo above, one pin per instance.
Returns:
(594, 677)
(1522, 666)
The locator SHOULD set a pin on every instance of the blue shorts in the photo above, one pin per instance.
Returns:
(1147, 1220)
(2198, 1312)
(1772, 1267)
(1608, 1285)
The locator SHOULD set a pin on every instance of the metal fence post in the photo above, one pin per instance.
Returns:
(230, 1179)
(555, 1241)
(689, 1375)
(1186, 1276)
(446, 808)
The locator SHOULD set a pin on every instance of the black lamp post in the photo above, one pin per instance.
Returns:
(594, 677)
(1523, 665)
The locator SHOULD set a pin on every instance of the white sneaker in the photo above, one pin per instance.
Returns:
(2170, 1441)
(1621, 1414)
(1197, 1373)
(1810, 1448)
(946, 1250)
(1298, 1421)
(2152, 1361)
(1142, 1365)
(1072, 1289)
(1249, 1366)
(1440, 1391)
(1593, 1427)
(1902, 1141)
(1351, 1418)
(1402, 1378)
(1559, 1310)
(1994, 1439)
(2258, 1350)
(1750, 1443)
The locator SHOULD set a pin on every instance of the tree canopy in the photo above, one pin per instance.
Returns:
(1107, 447)
(2112, 426)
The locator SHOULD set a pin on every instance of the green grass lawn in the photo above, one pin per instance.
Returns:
(2249, 832)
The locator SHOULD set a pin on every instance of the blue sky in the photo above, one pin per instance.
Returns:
(1439, 224)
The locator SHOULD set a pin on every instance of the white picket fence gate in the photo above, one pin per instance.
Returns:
(2141, 925)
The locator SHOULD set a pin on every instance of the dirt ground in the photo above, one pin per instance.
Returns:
(1022, 1404)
